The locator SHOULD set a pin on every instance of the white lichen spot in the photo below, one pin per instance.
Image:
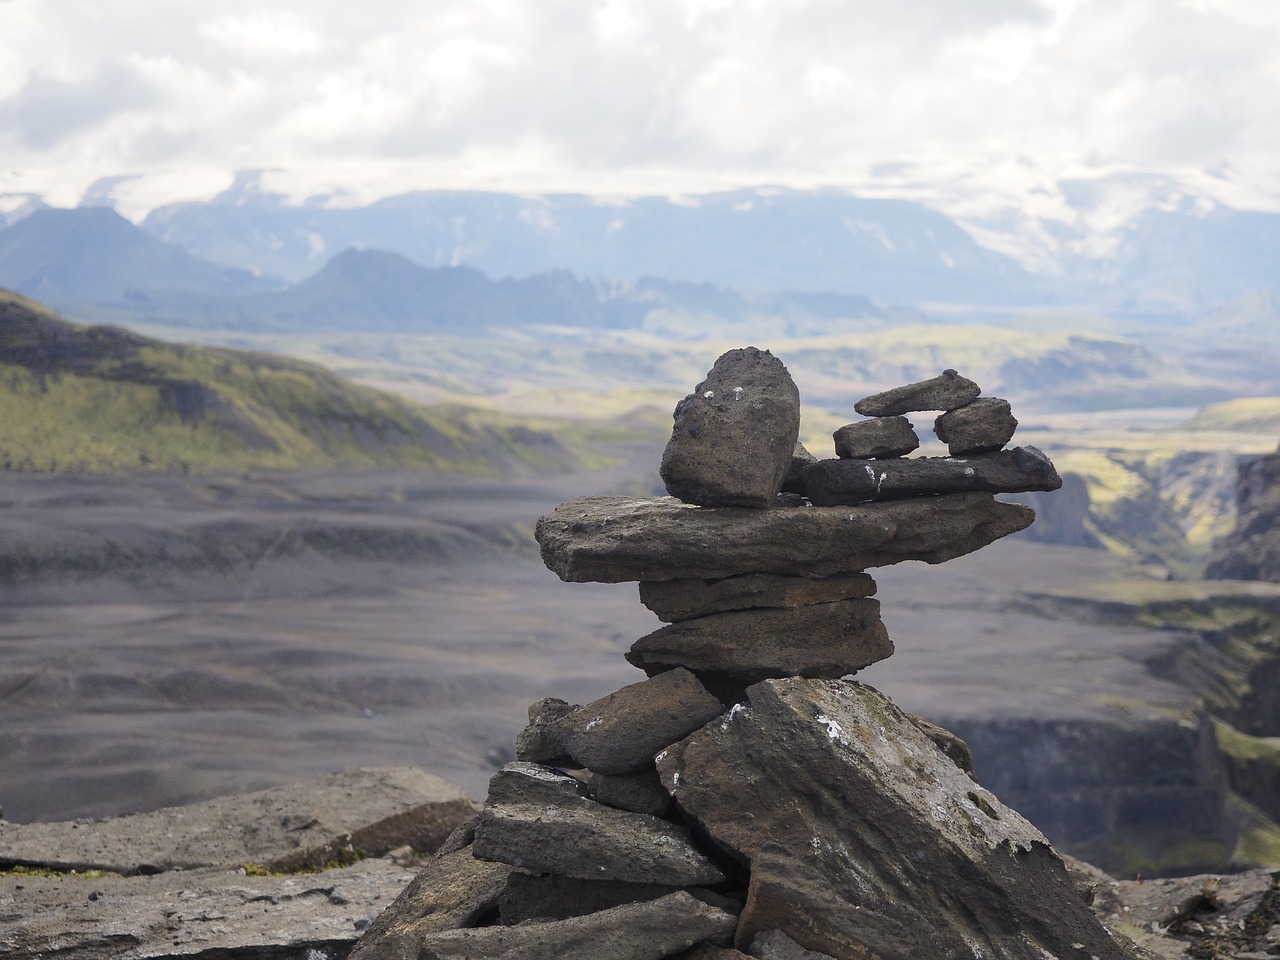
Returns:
(968, 471)
(660, 757)
(595, 723)
(880, 481)
(737, 393)
(736, 709)
(709, 395)
(871, 472)
(834, 730)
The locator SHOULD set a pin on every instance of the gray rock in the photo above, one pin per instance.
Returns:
(708, 951)
(636, 931)
(621, 732)
(776, 945)
(675, 600)
(545, 897)
(283, 829)
(523, 782)
(820, 640)
(734, 435)
(832, 482)
(894, 853)
(614, 539)
(876, 438)
(984, 425)
(800, 458)
(593, 842)
(945, 392)
(639, 792)
(193, 913)
(951, 745)
(452, 891)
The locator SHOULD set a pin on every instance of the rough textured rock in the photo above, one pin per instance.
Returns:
(1252, 550)
(621, 732)
(283, 829)
(951, 745)
(636, 931)
(895, 852)
(800, 458)
(593, 842)
(614, 539)
(452, 891)
(734, 435)
(944, 392)
(675, 600)
(986, 424)
(549, 897)
(776, 945)
(876, 438)
(638, 792)
(831, 482)
(820, 640)
(707, 951)
(523, 782)
(193, 913)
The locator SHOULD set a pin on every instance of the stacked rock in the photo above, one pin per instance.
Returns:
(746, 794)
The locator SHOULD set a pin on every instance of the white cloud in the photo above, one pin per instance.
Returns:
(617, 96)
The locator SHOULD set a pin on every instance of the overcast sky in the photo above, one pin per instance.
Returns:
(963, 97)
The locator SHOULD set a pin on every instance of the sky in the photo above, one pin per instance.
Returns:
(968, 101)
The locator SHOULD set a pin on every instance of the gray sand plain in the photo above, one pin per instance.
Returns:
(170, 639)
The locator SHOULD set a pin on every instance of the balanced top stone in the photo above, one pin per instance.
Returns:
(733, 437)
(944, 392)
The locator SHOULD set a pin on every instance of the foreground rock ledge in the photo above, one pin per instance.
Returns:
(616, 539)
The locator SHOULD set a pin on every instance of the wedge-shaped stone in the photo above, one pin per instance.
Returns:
(635, 931)
(640, 792)
(821, 640)
(283, 828)
(733, 437)
(593, 842)
(895, 853)
(832, 482)
(944, 392)
(621, 732)
(676, 600)
(532, 783)
(545, 897)
(876, 438)
(614, 539)
(986, 424)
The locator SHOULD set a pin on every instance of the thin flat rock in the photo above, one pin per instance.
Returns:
(944, 392)
(675, 600)
(615, 539)
(1022, 469)
(543, 897)
(821, 640)
(524, 782)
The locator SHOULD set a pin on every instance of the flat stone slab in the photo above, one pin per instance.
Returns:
(875, 438)
(615, 539)
(194, 913)
(944, 392)
(733, 437)
(821, 640)
(620, 732)
(832, 482)
(986, 424)
(282, 829)
(635, 931)
(593, 842)
(675, 600)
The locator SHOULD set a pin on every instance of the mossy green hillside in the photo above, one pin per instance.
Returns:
(85, 398)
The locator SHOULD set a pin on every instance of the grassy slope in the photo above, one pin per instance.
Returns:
(103, 399)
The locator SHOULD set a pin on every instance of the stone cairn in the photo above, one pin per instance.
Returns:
(747, 799)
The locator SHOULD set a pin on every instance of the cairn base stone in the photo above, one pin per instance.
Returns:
(734, 435)
(895, 853)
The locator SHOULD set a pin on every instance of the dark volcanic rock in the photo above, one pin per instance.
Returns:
(776, 945)
(1252, 550)
(820, 640)
(592, 842)
(894, 853)
(734, 435)
(613, 539)
(636, 931)
(621, 732)
(944, 392)
(831, 482)
(675, 600)
(986, 424)
(876, 438)
(523, 782)
(549, 897)
(638, 792)
(800, 458)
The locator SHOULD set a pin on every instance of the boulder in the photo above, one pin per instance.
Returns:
(876, 438)
(831, 482)
(639, 792)
(614, 539)
(894, 853)
(675, 600)
(985, 424)
(820, 640)
(636, 931)
(593, 842)
(945, 392)
(621, 732)
(283, 829)
(733, 437)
